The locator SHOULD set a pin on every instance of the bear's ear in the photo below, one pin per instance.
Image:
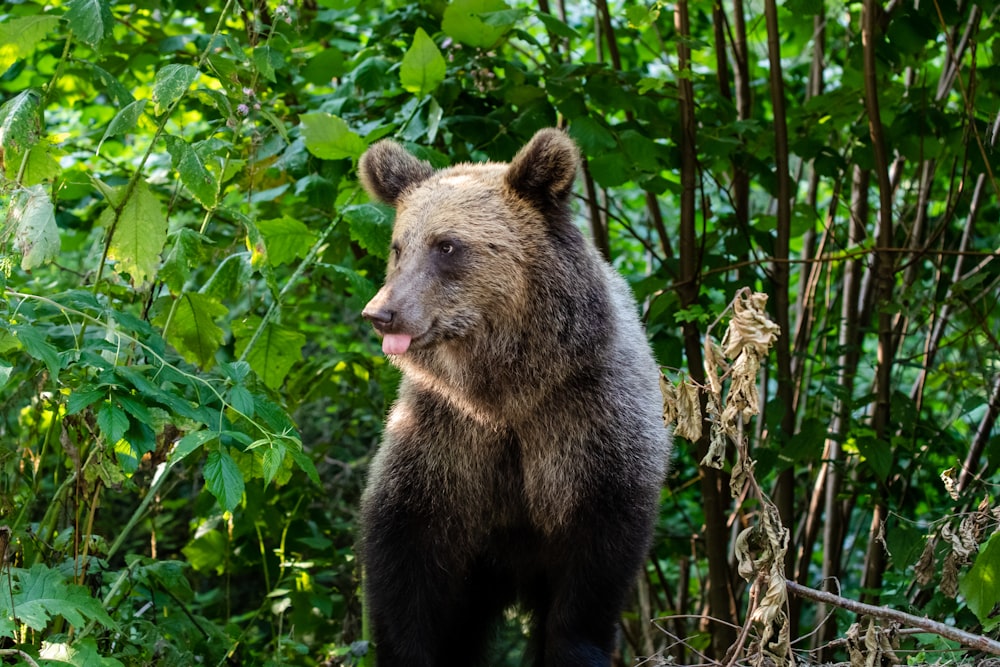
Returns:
(544, 170)
(387, 171)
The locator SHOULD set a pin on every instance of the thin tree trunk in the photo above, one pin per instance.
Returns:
(722, 602)
(983, 434)
(785, 489)
(884, 274)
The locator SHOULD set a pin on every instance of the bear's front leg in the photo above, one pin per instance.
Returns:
(428, 606)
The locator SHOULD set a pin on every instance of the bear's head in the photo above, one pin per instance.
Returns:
(470, 244)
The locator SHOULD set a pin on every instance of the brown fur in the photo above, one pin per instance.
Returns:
(529, 403)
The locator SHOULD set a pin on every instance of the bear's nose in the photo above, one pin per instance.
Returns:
(380, 317)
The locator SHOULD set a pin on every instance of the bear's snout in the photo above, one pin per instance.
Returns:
(381, 318)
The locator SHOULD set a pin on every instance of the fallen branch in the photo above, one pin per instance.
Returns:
(964, 638)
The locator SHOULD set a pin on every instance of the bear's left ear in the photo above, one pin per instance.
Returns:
(387, 171)
(544, 170)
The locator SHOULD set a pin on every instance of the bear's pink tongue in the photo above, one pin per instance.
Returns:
(395, 343)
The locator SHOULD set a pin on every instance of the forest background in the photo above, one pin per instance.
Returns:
(189, 399)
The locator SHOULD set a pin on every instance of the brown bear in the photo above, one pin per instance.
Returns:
(523, 459)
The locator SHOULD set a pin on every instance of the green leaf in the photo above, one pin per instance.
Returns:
(194, 174)
(285, 239)
(83, 398)
(557, 27)
(877, 454)
(19, 37)
(981, 584)
(37, 347)
(423, 67)
(273, 457)
(112, 421)
(41, 594)
(193, 330)
(191, 443)
(329, 138)
(223, 479)
(124, 120)
(185, 253)
(371, 227)
(462, 22)
(5, 370)
(207, 552)
(18, 120)
(275, 351)
(33, 219)
(138, 236)
(242, 400)
(170, 83)
(90, 20)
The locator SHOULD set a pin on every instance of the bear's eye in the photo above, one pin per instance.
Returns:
(394, 249)
(446, 247)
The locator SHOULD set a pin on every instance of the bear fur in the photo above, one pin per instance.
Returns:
(523, 459)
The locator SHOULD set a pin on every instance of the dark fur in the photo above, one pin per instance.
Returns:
(523, 459)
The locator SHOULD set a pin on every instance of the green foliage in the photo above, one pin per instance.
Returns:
(190, 397)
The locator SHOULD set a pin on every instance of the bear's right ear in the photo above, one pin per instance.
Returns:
(387, 171)
(544, 170)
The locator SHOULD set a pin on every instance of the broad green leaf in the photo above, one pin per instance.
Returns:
(877, 454)
(224, 480)
(80, 653)
(19, 36)
(592, 136)
(37, 347)
(241, 399)
(90, 20)
(267, 60)
(41, 594)
(170, 83)
(138, 236)
(207, 552)
(423, 67)
(273, 457)
(285, 239)
(18, 120)
(113, 421)
(185, 252)
(275, 351)
(124, 120)
(371, 227)
(557, 27)
(329, 138)
(192, 328)
(192, 442)
(33, 220)
(83, 398)
(463, 22)
(5, 370)
(981, 584)
(195, 176)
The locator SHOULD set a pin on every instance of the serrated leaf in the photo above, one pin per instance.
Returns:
(194, 174)
(272, 459)
(124, 120)
(170, 83)
(463, 22)
(285, 239)
(329, 138)
(192, 442)
(139, 234)
(423, 67)
(242, 400)
(41, 594)
(980, 586)
(184, 253)
(224, 480)
(19, 36)
(371, 227)
(193, 331)
(18, 120)
(273, 354)
(267, 61)
(90, 20)
(37, 347)
(33, 219)
(112, 421)
(83, 398)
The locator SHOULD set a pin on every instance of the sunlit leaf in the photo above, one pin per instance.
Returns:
(20, 35)
(423, 67)
(981, 584)
(328, 137)
(285, 239)
(195, 176)
(462, 21)
(192, 328)
(170, 83)
(124, 120)
(275, 351)
(138, 235)
(41, 594)
(273, 457)
(18, 120)
(33, 221)
(371, 227)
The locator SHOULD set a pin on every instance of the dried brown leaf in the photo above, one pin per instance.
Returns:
(689, 419)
